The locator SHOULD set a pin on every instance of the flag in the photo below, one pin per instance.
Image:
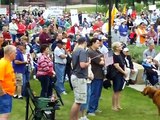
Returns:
(107, 14)
(113, 14)
(124, 9)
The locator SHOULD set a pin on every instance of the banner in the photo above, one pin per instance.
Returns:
(74, 17)
(152, 7)
(53, 12)
(3, 11)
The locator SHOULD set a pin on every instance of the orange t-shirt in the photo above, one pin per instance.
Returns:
(7, 76)
(140, 33)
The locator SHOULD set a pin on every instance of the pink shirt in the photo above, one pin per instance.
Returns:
(45, 66)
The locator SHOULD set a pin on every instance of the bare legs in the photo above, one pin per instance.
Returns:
(74, 111)
(4, 116)
(116, 101)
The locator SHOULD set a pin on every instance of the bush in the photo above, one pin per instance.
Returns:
(137, 52)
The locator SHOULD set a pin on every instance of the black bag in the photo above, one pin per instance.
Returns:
(107, 84)
(111, 72)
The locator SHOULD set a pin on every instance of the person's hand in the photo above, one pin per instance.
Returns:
(53, 98)
(54, 74)
(132, 71)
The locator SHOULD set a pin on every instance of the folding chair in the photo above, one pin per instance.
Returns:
(41, 108)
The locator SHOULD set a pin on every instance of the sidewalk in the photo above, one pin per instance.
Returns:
(137, 87)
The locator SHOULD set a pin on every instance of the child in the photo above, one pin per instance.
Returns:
(132, 36)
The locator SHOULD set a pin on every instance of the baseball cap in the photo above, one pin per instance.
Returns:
(125, 50)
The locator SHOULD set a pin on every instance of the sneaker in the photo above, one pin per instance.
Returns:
(98, 111)
(64, 93)
(15, 96)
(20, 97)
(91, 114)
(34, 76)
(84, 118)
(48, 112)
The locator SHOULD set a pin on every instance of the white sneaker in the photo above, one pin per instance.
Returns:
(85, 118)
(98, 111)
(91, 114)
(15, 96)
(20, 97)
(64, 93)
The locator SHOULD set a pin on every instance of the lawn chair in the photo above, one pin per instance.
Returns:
(150, 76)
(41, 108)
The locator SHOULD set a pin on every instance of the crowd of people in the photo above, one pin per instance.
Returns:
(53, 48)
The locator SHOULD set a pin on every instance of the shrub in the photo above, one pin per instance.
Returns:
(137, 52)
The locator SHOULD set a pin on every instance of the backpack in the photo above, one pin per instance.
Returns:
(111, 72)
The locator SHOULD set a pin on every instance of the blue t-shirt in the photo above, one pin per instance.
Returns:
(19, 68)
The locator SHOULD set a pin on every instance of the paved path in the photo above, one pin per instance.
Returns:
(137, 87)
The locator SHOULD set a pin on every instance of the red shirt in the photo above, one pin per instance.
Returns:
(68, 45)
(21, 28)
(134, 14)
(6, 35)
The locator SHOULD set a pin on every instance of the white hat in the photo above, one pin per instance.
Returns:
(123, 20)
(125, 50)
(64, 40)
(103, 38)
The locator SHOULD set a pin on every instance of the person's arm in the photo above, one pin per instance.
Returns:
(20, 62)
(82, 58)
(85, 64)
(1, 90)
(116, 65)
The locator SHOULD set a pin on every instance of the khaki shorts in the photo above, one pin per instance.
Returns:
(79, 88)
(19, 77)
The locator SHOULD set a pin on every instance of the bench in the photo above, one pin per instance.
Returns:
(139, 79)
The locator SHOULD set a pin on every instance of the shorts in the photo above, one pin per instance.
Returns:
(5, 104)
(19, 77)
(79, 88)
(118, 83)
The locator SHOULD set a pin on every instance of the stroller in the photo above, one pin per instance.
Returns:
(150, 76)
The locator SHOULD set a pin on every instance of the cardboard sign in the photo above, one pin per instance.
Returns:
(74, 17)
(3, 11)
(53, 12)
(152, 7)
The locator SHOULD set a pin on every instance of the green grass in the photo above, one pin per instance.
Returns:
(136, 106)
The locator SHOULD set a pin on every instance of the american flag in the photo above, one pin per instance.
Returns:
(108, 58)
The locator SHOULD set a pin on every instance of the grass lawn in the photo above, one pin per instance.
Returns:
(136, 106)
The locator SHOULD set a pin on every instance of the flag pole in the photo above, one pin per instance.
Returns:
(109, 31)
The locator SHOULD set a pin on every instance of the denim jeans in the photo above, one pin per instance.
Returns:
(14, 37)
(46, 85)
(60, 70)
(96, 88)
(26, 78)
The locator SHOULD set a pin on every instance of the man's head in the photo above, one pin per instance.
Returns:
(45, 28)
(82, 41)
(151, 45)
(60, 44)
(95, 43)
(10, 52)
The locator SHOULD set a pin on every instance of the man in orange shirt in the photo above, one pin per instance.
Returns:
(7, 81)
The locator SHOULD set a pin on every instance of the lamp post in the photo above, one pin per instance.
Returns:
(96, 5)
(109, 31)
(10, 10)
